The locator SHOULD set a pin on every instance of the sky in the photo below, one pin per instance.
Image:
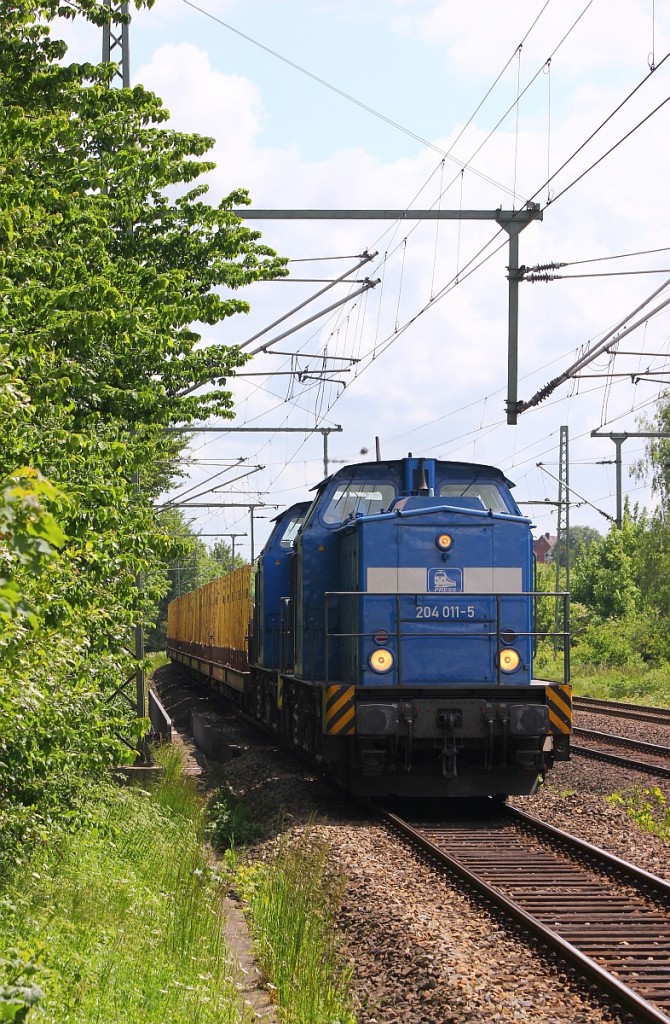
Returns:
(428, 104)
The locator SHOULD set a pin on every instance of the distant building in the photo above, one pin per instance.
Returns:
(544, 548)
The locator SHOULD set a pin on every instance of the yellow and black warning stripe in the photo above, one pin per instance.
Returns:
(559, 702)
(339, 711)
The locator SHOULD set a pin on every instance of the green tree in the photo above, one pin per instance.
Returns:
(580, 539)
(604, 578)
(656, 463)
(222, 553)
(109, 253)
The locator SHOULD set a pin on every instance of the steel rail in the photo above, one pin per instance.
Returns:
(641, 712)
(622, 741)
(644, 880)
(661, 770)
(625, 999)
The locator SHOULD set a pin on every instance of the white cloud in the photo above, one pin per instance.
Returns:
(437, 375)
(481, 37)
(201, 99)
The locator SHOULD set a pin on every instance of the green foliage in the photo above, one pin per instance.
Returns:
(293, 902)
(229, 823)
(109, 254)
(19, 991)
(605, 577)
(580, 539)
(29, 534)
(648, 808)
(128, 916)
(656, 463)
(608, 644)
(641, 684)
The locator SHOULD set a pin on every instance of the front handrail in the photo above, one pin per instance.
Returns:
(448, 629)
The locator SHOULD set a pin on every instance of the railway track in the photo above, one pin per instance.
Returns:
(656, 759)
(607, 920)
(639, 712)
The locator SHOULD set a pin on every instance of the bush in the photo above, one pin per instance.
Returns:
(127, 914)
(605, 644)
(229, 823)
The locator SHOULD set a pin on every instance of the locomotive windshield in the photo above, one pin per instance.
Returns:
(358, 498)
(487, 493)
(292, 527)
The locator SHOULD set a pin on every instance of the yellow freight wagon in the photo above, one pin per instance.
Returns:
(209, 628)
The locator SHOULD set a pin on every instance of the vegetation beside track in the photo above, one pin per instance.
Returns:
(648, 808)
(109, 255)
(120, 920)
(292, 900)
(635, 683)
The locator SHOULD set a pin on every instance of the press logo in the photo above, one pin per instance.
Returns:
(445, 581)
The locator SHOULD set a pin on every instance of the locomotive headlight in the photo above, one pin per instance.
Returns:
(509, 660)
(444, 541)
(381, 660)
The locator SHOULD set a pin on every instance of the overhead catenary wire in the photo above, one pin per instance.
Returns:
(364, 258)
(615, 146)
(560, 43)
(450, 284)
(176, 499)
(593, 134)
(392, 337)
(534, 23)
(618, 256)
(610, 339)
(535, 277)
(467, 165)
(345, 95)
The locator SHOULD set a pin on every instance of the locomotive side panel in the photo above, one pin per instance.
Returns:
(274, 610)
(353, 491)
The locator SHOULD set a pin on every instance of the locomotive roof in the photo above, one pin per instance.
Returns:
(394, 464)
(300, 506)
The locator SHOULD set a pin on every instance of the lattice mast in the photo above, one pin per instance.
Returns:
(563, 525)
(116, 50)
(116, 42)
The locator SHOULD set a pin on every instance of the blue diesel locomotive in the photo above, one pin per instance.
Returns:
(394, 631)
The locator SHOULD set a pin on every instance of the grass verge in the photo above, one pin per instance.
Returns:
(639, 685)
(120, 921)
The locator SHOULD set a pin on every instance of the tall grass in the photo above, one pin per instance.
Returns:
(125, 916)
(293, 900)
(628, 683)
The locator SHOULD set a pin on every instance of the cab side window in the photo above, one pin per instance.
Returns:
(358, 498)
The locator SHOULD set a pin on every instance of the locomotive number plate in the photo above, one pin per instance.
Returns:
(445, 611)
